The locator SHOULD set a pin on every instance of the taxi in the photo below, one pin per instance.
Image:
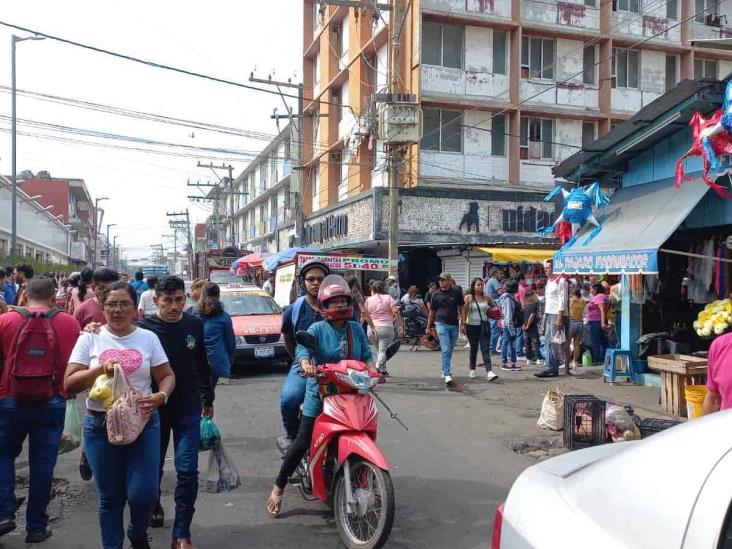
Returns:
(257, 321)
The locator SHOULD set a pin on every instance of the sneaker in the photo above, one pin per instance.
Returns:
(491, 376)
(38, 537)
(448, 380)
(511, 368)
(6, 526)
(157, 519)
(383, 371)
(142, 543)
(84, 467)
(472, 374)
(546, 373)
(223, 381)
(467, 345)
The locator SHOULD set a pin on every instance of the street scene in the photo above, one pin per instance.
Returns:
(363, 274)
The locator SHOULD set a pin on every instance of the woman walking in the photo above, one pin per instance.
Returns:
(123, 474)
(218, 332)
(509, 305)
(359, 304)
(81, 292)
(597, 319)
(384, 313)
(576, 324)
(476, 327)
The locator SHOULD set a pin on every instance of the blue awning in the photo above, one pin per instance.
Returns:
(636, 223)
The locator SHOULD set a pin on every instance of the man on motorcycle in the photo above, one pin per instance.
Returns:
(338, 337)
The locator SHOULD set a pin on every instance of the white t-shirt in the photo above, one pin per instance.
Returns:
(137, 352)
(147, 304)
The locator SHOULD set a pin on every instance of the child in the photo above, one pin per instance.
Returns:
(531, 327)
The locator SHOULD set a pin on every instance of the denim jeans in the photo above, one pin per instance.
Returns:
(599, 342)
(495, 331)
(448, 334)
(123, 474)
(508, 347)
(42, 424)
(291, 398)
(556, 354)
(186, 438)
(519, 343)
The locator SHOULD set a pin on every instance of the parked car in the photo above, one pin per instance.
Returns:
(670, 490)
(224, 277)
(257, 321)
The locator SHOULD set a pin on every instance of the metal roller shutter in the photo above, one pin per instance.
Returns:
(457, 266)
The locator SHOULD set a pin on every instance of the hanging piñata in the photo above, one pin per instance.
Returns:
(711, 137)
(580, 206)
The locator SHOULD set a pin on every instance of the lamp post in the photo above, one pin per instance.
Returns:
(14, 208)
(116, 253)
(96, 229)
(108, 248)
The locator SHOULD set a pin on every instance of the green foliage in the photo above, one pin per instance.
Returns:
(39, 267)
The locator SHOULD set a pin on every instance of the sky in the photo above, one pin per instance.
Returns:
(222, 38)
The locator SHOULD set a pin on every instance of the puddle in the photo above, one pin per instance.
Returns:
(539, 449)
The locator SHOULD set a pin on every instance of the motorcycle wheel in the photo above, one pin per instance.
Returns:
(369, 526)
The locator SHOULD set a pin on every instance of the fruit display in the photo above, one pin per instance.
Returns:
(715, 319)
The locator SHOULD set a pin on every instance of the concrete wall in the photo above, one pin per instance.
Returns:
(652, 84)
(650, 23)
(569, 14)
(492, 8)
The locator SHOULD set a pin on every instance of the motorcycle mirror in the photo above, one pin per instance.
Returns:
(392, 349)
(307, 340)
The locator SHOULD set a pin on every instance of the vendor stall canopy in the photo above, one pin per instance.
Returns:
(517, 255)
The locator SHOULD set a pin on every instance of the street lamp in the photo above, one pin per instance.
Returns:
(108, 226)
(14, 209)
(116, 253)
(96, 229)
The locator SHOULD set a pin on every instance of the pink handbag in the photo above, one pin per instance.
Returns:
(125, 422)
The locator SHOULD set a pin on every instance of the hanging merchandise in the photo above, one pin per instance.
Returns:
(580, 206)
(637, 289)
(715, 319)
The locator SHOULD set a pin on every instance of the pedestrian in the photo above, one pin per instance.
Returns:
(7, 288)
(123, 474)
(195, 294)
(360, 312)
(269, 284)
(182, 338)
(431, 288)
(139, 284)
(492, 289)
(146, 306)
(597, 319)
(81, 292)
(512, 320)
(22, 273)
(446, 308)
(556, 320)
(218, 332)
(385, 315)
(530, 328)
(62, 294)
(476, 327)
(91, 310)
(576, 324)
(719, 375)
(392, 288)
(35, 412)
(412, 297)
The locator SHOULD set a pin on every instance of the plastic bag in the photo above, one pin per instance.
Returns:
(620, 424)
(102, 391)
(222, 473)
(210, 435)
(71, 436)
(552, 410)
(559, 337)
(587, 359)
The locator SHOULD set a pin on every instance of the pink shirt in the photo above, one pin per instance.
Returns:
(593, 307)
(379, 307)
(719, 373)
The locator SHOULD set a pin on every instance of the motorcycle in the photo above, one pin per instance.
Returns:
(344, 467)
(415, 327)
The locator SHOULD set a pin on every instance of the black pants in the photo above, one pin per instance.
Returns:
(479, 336)
(296, 451)
(532, 343)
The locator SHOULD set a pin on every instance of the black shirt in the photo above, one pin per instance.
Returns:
(529, 309)
(445, 305)
(183, 342)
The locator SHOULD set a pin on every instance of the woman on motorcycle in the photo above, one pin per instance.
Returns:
(338, 337)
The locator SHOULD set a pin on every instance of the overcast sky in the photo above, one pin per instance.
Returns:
(226, 39)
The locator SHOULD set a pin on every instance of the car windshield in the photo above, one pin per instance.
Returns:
(243, 304)
(224, 277)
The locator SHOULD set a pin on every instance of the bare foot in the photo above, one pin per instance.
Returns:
(274, 503)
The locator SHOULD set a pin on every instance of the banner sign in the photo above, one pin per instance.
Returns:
(284, 278)
(628, 262)
(347, 263)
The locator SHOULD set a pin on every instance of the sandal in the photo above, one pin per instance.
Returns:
(274, 503)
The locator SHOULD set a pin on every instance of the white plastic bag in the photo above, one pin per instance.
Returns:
(559, 337)
(552, 410)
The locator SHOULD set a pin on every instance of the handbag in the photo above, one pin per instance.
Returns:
(125, 421)
(485, 327)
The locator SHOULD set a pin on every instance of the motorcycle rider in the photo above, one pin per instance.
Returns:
(334, 335)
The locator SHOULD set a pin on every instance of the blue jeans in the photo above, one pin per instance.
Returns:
(186, 438)
(599, 343)
(508, 346)
(123, 474)
(448, 335)
(291, 398)
(495, 331)
(43, 425)
(520, 343)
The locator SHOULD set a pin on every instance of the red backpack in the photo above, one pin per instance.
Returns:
(33, 358)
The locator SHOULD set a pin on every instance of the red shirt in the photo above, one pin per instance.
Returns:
(719, 373)
(67, 330)
(89, 311)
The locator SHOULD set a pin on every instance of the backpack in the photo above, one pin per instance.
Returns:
(518, 313)
(139, 286)
(33, 358)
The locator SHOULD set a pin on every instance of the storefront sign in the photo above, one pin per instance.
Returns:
(526, 220)
(346, 263)
(333, 226)
(629, 262)
(284, 277)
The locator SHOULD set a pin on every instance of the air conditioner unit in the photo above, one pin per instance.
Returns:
(713, 19)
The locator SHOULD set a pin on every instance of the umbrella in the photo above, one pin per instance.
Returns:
(286, 255)
(250, 260)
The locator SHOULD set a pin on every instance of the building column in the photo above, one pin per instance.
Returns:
(514, 92)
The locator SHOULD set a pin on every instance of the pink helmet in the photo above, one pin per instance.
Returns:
(335, 286)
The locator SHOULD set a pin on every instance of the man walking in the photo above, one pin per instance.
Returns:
(146, 306)
(91, 310)
(7, 289)
(268, 285)
(34, 411)
(22, 273)
(493, 290)
(392, 288)
(556, 319)
(446, 307)
(139, 284)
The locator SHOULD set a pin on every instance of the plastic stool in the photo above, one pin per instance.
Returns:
(609, 369)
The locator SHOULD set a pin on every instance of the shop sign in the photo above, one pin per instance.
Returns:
(347, 263)
(333, 226)
(284, 277)
(526, 220)
(635, 261)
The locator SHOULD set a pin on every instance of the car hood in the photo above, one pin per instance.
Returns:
(257, 324)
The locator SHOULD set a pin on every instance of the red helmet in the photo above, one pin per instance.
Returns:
(335, 286)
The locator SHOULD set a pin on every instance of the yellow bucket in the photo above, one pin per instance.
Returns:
(694, 400)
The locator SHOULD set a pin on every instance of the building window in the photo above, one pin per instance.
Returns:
(29, 252)
(3, 247)
(316, 73)
(315, 187)
(703, 68)
(705, 11)
(672, 9)
(316, 132)
(626, 68)
(343, 181)
(537, 136)
(591, 3)
(337, 110)
(537, 57)
(588, 133)
(442, 45)
(672, 71)
(443, 130)
(627, 5)
(499, 52)
(588, 65)
(498, 135)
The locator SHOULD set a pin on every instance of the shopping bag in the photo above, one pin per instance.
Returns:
(222, 473)
(71, 436)
(102, 391)
(552, 410)
(559, 337)
(210, 435)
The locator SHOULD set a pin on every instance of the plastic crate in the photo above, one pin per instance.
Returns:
(652, 425)
(584, 421)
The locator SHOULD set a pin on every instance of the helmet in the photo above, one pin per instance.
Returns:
(313, 263)
(335, 286)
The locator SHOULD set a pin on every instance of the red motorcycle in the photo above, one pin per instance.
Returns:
(345, 468)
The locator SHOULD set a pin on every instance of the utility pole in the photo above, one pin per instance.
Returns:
(175, 247)
(116, 253)
(395, 154)
(108, 247)
(186, 225)
(96, 229)
(227, 211)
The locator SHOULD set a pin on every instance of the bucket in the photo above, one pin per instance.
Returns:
(587, 359)
(694, 400)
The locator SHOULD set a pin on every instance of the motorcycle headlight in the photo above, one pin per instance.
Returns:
(240, 341)
(357, 379)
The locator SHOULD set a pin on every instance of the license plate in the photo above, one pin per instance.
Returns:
(263, 352)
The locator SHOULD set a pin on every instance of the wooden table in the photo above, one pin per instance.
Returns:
(677, 372)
